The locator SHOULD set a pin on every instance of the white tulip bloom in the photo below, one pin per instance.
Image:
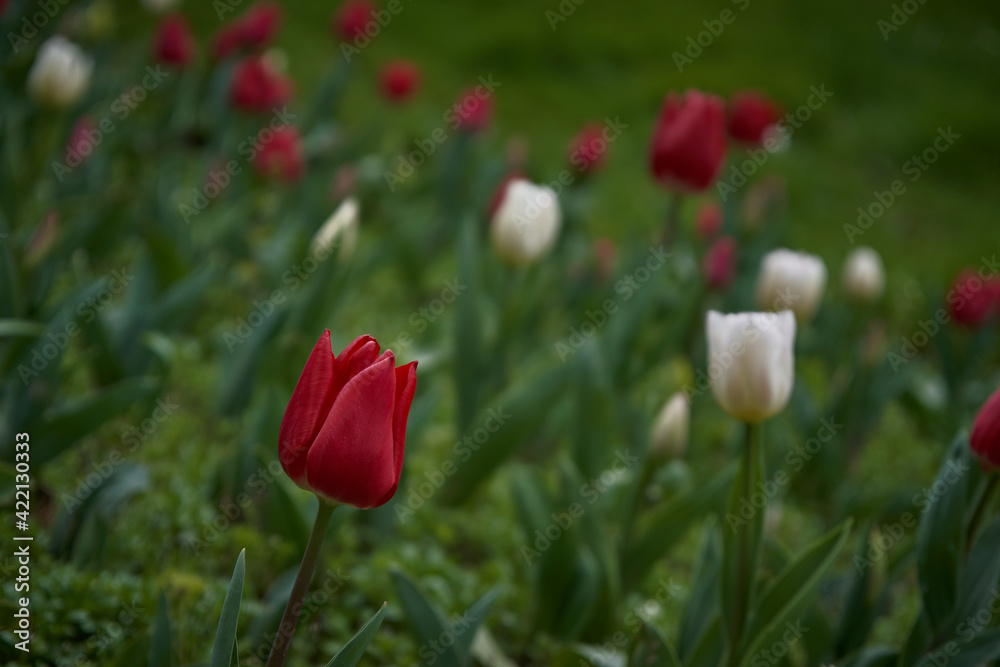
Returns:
(864, 274)
(793, 281)
(60, 74)
(342, 227)
(670, 431)
(526, 223)
(751, 359)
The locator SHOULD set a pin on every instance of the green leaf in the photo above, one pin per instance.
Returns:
(475, 617)
(875, 656)
(354, 649)
(469, 353)
(979, 579)
(225, 635)
(652, 650)
(861, 602)
(426, 621)
(708, 650)
(702, 607)
(159, 648)
(981, 650)
(10, 328)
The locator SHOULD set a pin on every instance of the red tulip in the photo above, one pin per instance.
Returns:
(352, 17)
(257, 87)
(588, 148)
(973, 300)
(400, 80)
(260, 24)
(719, 263)
(689, 141)
(83, 140)
(750, 116)
(709, 221)
(280, 155)
(344, 430)
(985, 436)
(174, 43)
(473, 111)
(227, 41)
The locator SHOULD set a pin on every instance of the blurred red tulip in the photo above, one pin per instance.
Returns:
(350, 20)
(750, 116)
(588, 148)
(83, 139)
(257, 87)
(280, 155)
(227, 40)
(605, 253)
(719, 263)
(689, 141)
(473, 111)
(174, 43)
(344, 430)
(259, 25)
(400, 80)
(985, 436)
(709, 221)
(973, 300)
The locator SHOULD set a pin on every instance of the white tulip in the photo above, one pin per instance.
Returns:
(751, 361)
(526, 224)
(791, 280)
(160, 6)
(342, 227)
(670, 431)
(60, 74)
(864, 274)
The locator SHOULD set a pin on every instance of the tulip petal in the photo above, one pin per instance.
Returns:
(406, 386)
(356, 357)
(352, 459)
(307, 410)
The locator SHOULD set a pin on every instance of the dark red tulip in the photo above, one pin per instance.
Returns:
(719, 263)
(344, 430)
(588, 148)
(257, 87)
(83, 140)
(280, 154)
(174, 43)
(689, 141)
(985, 436)
(259, 25)
(399, 80)
(973, 300)
(474, 110)
(709, 221)
(350, 20)
(750, 116)
(227, 41)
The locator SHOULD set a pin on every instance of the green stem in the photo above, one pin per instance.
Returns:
(980, 511)
(744, 573)
(283, 640)
(673, 219)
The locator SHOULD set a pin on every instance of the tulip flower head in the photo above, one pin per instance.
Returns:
(340, 228)
(257, 87)
(588, 149)
(526, 223)
(751, 116)
(791, 280)
(689, 142)
(751, 360)
(60, 74)
(280, 156)
(83, 140)
(985, 435)
(473, 111)
(709, 221)
(719, 263)
(344, 430)
(260, 24)
(174, 44)
(670, 430)
(399, 80)
(864, 274)
(351, 19)
(973, 300)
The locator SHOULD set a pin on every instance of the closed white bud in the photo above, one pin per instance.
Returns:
(793, 281)
(864, 274)
(526, 223)
(751, 362)
(340, 228)
(60, 74)
(670, 431)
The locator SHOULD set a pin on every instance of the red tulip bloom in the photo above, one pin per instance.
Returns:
(344, 430)
(689, 141)
(588, 148)
(280, 154)
(83, 140)
(352, 17)
(709, 221)
(750, 116)
(259, 25)
(174, 43)
(973, 300)
(985, 436)
(400, 80)
(719, 263)
(473, 111)
(257, 87)
(227, 41)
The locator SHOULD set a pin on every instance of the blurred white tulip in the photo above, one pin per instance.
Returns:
(751, 359)
(670, 431)
(60, 74)
(793, 281)
(864, 274)
(526, 223)
(341, 227)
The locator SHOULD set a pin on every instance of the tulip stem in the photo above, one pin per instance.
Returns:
(745, 573)
(283, 639)
(673, 219)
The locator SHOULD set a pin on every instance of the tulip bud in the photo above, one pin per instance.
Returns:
(670, 431)
(791, 280)
(526, 223)
(351, 19)
(257, 87)
(342, 227)
(719, 263)
(588, 149)
(985, 436)
(864, 274)
(751, 361)
(973, 300)
(173, 43)
(473, 111)
(281, 156)
(709, 221)
(689, 141)
(751, 115)
(60, 74)
(344, 430)
(399, 80)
